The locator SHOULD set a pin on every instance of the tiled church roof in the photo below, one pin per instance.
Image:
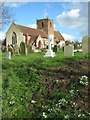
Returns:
(58, 35)
(32, 31)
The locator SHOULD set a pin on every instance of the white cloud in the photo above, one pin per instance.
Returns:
(32, 26)
(2, 36)
(68, 37)
(73, 19)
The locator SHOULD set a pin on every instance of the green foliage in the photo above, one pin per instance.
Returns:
(22, 48)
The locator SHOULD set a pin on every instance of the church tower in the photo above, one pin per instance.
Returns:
(46, 25)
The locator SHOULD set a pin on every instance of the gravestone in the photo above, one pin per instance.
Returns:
(23, 49)
(85, 45)
(16, 49)
(55, 48)
(49, 53)
(68, 50)
(8, 55)
(10, 49)
(33, 47)
(30, 48)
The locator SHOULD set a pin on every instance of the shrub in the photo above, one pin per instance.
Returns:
(23, 48)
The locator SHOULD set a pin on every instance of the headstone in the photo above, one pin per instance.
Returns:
(49, 53)
(8, 55)
(68, 50)
(55, 48)
(10, 49)
(33, 47)
(85, 45)
(16, 49)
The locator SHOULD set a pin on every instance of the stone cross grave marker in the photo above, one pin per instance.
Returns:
(68, 50)
(49, 53)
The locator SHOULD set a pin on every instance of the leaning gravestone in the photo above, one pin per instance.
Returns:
(8, 55)
(68, 50)
(85, 45)
(23, 49)
(10, 49)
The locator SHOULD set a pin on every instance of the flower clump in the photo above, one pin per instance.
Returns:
(84, 80)
(44, 115)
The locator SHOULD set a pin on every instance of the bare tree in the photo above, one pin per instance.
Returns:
(6, 15)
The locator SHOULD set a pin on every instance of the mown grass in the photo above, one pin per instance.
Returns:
(21, 81)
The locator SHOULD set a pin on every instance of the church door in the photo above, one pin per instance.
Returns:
(39, 44)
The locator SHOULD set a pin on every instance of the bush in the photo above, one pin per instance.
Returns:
(22, 48)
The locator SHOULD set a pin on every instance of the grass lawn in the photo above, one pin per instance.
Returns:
(38, 87)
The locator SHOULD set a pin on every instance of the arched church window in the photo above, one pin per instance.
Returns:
(42, 24)
(14, 38)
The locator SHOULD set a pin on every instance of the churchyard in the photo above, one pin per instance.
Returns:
(34, 86)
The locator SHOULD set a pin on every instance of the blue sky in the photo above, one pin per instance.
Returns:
(70, 18)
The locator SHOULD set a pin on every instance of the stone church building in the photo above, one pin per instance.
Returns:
(36, 37)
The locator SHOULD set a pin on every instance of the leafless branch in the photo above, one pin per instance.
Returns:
(6, 15)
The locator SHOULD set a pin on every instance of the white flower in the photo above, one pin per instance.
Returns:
(32, 101)
(71, 91)
(67, 116)
(73, 103)
(79, 115)
(10, 102)
(44, 115)
(57, 81)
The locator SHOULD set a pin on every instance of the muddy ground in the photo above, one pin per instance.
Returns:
(68, 74)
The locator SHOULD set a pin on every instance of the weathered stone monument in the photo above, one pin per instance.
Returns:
(85, 45)
(16, 49)
(68, 50)
(49, 53)
(8, 55)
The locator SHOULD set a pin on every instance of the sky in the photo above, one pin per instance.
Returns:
(70, 18)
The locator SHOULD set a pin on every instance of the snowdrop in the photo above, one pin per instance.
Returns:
(66, 116)
(44, 115)
(79, 115)
(71, 91)
(84, 80)
(32, 101)
(12, 102)
(57, 81)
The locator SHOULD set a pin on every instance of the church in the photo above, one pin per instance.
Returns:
(36, 37)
